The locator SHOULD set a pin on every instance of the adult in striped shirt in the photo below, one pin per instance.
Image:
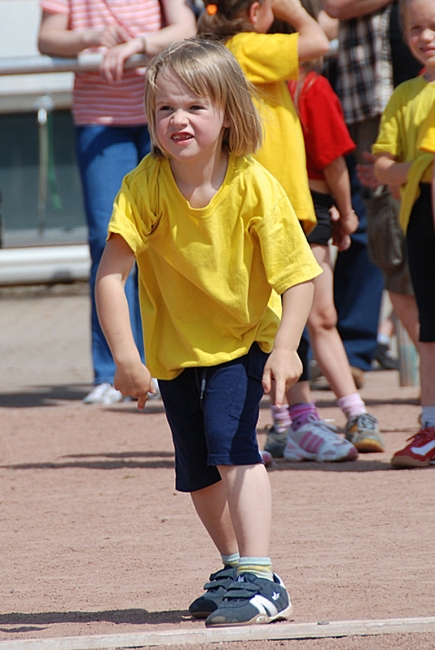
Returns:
(110, 127)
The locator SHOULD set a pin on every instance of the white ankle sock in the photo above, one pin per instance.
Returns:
(428, 416)
(352, 405)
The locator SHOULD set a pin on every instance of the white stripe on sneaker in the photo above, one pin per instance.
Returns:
(422, 451)
(264, 605)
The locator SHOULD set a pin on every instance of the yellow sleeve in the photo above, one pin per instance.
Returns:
(389, 136)
(132, 216)
(266, 58)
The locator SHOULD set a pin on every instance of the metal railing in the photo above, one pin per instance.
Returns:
(42, 64)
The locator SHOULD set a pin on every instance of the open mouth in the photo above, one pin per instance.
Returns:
(181, 137)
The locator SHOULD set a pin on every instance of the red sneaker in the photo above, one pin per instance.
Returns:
(420, 451)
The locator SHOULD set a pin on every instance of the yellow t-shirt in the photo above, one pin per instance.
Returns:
(399, 135)
(210, 277)
(269, 61)
(427, 136)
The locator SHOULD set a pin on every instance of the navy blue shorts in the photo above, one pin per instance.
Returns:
(420, 241)
(213, 413)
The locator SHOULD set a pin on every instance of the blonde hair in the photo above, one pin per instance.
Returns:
(208, 69)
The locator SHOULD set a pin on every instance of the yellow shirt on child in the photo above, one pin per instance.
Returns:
(210, 277)
(269, 61)
(399, 135)
(427, 137)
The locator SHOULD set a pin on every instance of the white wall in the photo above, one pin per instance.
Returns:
(19, 22)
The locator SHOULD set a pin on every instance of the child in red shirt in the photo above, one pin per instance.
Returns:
(327, 141)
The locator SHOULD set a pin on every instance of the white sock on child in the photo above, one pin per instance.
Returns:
(231, 560)
(428, 416)
(281, 418)
(259, 566)
(352, 405)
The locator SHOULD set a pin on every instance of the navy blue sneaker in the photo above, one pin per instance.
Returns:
(215, 590)
(251, 600)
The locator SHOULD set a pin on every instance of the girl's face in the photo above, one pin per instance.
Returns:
(420, 31)
(261, 16)
(188, 128)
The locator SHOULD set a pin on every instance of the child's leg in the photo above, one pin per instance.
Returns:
(427, 374)
(309, 437)
(211, 504)
(405, 308)
(250, 504)
(420, 451)
(361, 429)
(231, 407)
(184, 411)
(258, 595)
(322, 324)
(212, 507)
(248, 491)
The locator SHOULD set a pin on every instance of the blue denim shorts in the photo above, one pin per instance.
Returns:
(213, 413)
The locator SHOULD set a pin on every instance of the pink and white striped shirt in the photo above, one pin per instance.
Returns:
(95, 101)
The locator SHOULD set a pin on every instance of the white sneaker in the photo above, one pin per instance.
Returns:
(317, 440)
(103, 394)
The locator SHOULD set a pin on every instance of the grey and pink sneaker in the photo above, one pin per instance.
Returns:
(315, 439)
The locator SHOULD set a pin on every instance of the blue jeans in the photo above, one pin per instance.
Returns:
(105, 154)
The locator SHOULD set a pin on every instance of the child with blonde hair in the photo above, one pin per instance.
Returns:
(403, 161)
(226, 284)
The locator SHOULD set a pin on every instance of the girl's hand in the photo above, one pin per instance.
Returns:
(349, 222)
(342, 226)
(366, 173)
(134, 381)
(112, 65)
(285, 368)
(110, 36)
(395, 192)
(285, 9)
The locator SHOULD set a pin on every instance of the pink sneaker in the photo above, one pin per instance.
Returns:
(317, 440)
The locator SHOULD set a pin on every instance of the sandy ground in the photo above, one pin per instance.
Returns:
(95, 540)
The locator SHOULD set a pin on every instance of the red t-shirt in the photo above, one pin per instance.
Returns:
(325, 132)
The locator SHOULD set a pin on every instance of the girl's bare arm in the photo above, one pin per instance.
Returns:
(55, 39)
(390, 172)
(284, 365)
(131, 377)
(313, 41)
(337, 178)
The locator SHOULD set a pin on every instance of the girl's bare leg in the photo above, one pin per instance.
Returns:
(250, 504)
(212, 507)
(325, 340)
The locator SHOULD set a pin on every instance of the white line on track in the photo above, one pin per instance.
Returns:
(279, 631)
